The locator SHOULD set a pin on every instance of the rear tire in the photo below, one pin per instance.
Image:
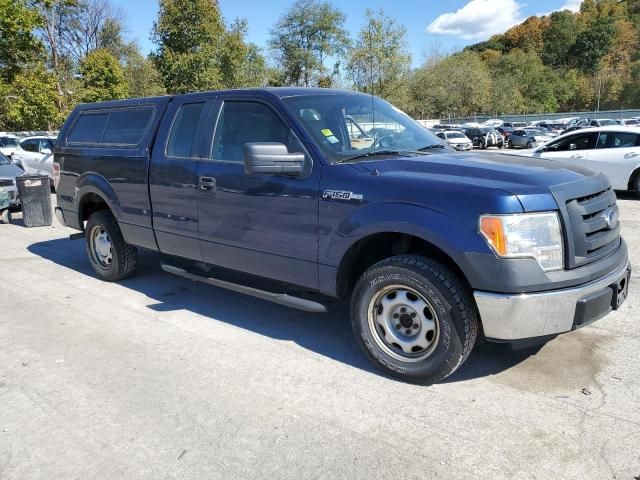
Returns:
(414, 318)
(634, 184)
(110, 256)
(510, 144)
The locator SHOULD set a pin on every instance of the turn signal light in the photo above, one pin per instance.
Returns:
(493, 230)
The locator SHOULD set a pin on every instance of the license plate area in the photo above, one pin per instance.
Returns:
(621, 290)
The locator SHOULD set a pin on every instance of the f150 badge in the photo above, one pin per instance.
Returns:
(341, 195)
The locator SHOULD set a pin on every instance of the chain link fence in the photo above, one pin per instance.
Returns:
(612, 114)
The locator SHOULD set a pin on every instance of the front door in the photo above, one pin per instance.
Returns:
(617, 155)
(573, 149)
(266, 225)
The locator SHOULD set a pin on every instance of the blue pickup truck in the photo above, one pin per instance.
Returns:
(297, 195)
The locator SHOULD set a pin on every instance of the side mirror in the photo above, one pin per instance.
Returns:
(272, 159)
(46, 151)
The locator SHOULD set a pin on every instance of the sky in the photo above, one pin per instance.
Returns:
(445, 25)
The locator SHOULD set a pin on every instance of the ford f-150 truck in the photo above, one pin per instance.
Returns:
(271, 193)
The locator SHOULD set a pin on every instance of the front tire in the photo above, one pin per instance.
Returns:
(414, 318)
(110, 256)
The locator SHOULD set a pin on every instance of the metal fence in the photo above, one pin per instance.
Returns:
(612, 114)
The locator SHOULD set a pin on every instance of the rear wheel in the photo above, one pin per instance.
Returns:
(414, 318)
(634, 184)
(529, 145)
(482, 145)
(510, 144)
(110, 256)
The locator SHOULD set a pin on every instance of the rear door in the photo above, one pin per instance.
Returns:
(173, 176)
(266, 225)
(617, 155)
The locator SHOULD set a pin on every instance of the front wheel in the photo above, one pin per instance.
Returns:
(414, 318)
(510, 144)
(110, 256)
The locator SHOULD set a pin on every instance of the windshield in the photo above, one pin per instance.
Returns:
(455, 135)
(535, 132)
(8, 142)
(348, 125)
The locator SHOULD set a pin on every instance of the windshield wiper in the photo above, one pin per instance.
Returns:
(374, 153)
(432, 147)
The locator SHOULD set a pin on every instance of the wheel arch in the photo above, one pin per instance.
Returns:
(94, 193)
(633, 178)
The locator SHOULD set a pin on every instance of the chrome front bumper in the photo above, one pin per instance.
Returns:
(508, 317)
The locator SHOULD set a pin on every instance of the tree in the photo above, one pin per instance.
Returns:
(593, 44)
(304, 38)
(528, 35)
(459, 85)
(379, 63)
(196, 51)
(30, 102)
(559, 37)
(102, 77)
(141, 77)
(18, 44)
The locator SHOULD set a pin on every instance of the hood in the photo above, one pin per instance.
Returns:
(514, 174)
(9, 170)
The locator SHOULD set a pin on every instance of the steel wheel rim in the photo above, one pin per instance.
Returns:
(101, 247)
(403, 323)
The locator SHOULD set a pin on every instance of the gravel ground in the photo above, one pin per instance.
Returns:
(158, 377)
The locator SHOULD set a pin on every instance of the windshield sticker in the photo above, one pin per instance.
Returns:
(332, 139)
(326, 132)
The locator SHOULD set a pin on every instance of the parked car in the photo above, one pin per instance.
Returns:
(573, 128)
(553, 128)
(456, 140)
(485, 137)
(431, 247)
(35, 155)
(8, 174)
(8, 144)
(528, 138)
(602, 122)
(506, 132)
(613, 151)
(514, 125)
(629, 122)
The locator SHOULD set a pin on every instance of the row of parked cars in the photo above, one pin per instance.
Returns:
(496, 133)
(32, 154)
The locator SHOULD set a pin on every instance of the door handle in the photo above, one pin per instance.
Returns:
(577, 156)
(207, 183)
(631, 155)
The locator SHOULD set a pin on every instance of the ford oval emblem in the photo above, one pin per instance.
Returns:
(611, 218)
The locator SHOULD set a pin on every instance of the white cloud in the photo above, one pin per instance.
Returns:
(479, 19)
(573, 5)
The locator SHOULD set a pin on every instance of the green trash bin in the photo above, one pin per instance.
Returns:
(35, 198)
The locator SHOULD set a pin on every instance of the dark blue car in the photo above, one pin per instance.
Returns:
(432, 247)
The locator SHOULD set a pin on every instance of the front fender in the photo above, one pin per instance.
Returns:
(453, 232)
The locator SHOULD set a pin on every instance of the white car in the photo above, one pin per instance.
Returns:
(8, 144)
(614, 151)
(602, 122)
(457, 140)
(35, 155)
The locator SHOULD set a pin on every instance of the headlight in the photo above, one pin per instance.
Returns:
(526, 235)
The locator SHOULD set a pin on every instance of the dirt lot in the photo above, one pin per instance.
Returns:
(158, 377)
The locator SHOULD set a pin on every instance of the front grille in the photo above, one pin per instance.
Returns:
(594, 235)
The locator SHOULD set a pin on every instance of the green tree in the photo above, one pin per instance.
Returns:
(196, 51)
(141, 77)
(593, 44)
(459, 85)
(559, 37)
(102, 77)
(304, 38)
(30, 102)
(379, 63)
(18, 44)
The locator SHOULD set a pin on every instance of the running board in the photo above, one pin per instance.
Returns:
(279, 298)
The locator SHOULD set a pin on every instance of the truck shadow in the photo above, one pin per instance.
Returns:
(325, 334)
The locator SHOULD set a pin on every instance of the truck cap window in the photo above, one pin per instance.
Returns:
(124, 126)
(183, 132)
(349, 124)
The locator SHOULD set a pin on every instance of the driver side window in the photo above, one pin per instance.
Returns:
(581, 141)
